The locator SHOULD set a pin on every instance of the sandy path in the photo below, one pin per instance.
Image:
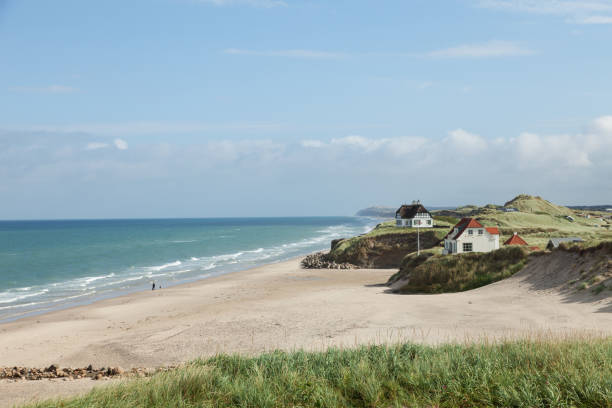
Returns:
(278, 306)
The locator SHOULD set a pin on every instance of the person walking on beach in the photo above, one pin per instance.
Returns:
(153, 287)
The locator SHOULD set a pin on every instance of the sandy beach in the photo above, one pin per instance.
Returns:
(281, 306)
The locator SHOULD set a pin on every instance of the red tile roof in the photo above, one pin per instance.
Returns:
(493, 230)
(515, 240)
(466, 223)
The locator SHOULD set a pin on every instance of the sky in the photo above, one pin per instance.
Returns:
(230, 108)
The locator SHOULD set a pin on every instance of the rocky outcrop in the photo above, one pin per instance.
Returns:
(321, 260)
(55, 372)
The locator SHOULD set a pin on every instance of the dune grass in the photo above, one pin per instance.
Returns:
(564, 373)
(431, 273)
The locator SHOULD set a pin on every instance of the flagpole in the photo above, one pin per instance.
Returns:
(418, 237)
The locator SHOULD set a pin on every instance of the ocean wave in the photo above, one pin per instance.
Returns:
(4, 296)
(164, 266)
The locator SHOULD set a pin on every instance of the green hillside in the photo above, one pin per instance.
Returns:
(529, 204)
(537, 220)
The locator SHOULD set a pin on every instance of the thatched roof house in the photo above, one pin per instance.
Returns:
(413, 215)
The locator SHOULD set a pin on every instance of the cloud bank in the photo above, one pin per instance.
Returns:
(81, 175)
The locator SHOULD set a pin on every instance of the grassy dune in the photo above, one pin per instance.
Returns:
(434, 273)
(537, 220)
(524, 373)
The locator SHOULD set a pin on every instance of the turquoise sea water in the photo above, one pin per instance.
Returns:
(47, 265)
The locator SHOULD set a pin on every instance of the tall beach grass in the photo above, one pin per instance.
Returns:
(524, 373)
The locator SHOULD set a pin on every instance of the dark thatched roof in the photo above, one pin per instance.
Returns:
(410, 211)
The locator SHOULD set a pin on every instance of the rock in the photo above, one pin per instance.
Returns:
(98, 376)
(321, 260)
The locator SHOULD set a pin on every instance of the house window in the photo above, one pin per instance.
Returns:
(467, 247)
(470, 232)
(398, 223)
(428, 222)
(480, 232)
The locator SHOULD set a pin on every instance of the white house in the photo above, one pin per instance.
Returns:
(413, 215)
(471, 236)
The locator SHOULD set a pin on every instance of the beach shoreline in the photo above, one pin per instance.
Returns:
(127, 292)
(56, 265)
(281, 306)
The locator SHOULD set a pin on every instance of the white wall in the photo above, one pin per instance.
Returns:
(480, 243)
(410, 222)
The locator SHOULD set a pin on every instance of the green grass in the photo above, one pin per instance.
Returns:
(536, 373)
(389, 228)
(451, 221)
(453, 273)
(537, 221)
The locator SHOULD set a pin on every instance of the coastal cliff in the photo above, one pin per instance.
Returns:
(385, 246)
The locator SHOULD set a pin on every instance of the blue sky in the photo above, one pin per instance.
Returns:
(177, 108)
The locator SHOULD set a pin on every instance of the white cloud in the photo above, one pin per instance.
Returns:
(466, 142)
(120, 144)
(96, 146)
(312, 143)
(594, 20)
(603, 124)
(578, 12)
(559, 7)
(294, 53)
(54, 89)
(565, 150)
(527, 151)
(489, 49)
(359, 142)
(393, 146)
(253, 3)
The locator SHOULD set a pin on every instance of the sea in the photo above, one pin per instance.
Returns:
(51, 265)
